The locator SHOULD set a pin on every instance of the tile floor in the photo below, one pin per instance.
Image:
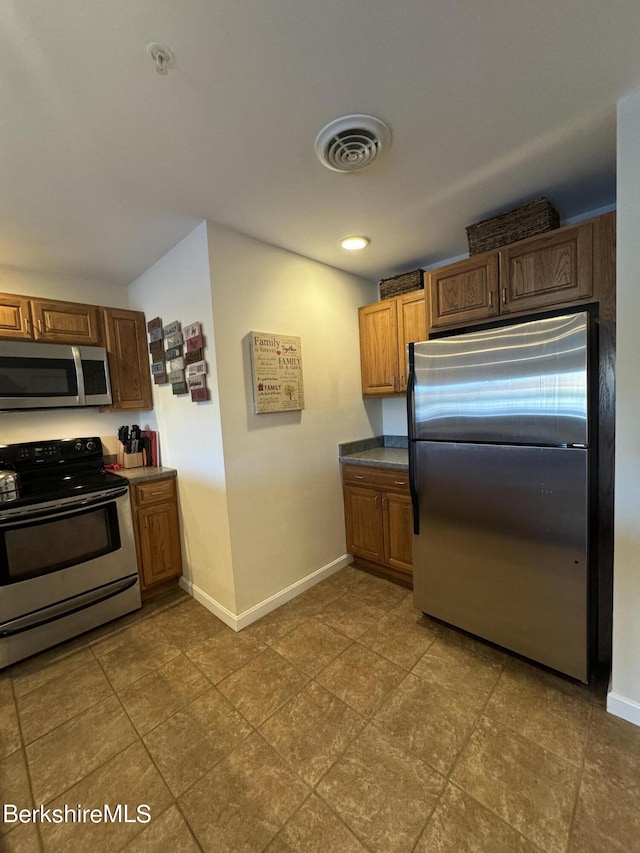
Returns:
(344, 721)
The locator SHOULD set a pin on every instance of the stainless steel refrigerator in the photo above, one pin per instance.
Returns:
(501, 481)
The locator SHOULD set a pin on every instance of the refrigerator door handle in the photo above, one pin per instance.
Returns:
(411, 381)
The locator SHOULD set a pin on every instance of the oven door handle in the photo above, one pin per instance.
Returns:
(54, 612)
(13, 517)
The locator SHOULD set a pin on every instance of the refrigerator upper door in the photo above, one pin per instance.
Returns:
(521, 384)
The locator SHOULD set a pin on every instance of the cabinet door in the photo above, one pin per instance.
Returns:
(66, 322)
(547, 270)
(412, 327)
(159, 535)
(126, 335)
(464, 292)
(363, 518)
(14, 317)
(398, 530)
(379, 347)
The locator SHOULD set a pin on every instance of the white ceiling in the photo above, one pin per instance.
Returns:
(105, 165)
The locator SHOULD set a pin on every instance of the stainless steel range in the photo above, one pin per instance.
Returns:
(67, 553)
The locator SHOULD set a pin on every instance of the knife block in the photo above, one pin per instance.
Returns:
(129, 460)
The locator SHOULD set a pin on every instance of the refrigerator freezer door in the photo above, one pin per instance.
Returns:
(523, 384)
(502, 551)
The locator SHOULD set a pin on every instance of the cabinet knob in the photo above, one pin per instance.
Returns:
(40, 326)
(25, 323)
(358, 477)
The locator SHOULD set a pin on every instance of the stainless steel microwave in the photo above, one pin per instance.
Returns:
(50, 376)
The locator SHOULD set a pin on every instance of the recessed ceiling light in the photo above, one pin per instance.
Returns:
(352, 244)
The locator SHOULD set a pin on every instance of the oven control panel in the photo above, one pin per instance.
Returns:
(51, 452)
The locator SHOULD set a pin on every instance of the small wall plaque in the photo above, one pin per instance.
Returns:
(172, 328)
(196, 342)
(199, 395)
(156, 348)
(199, 367)
(160, 378)
(173, 340)
(154, 324)
(197, 382)
(157, 367)
(176, 364)
(174, 352)
(192, 357)
(176, 376)
(191, 330)
(179, 388)
(156, 334)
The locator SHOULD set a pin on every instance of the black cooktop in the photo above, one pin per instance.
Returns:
(56, 469)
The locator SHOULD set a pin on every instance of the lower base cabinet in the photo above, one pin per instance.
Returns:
(156, 528)
(378, 519)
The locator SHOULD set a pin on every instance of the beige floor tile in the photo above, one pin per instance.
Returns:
(312, 600)
(461, 825)
(381, 593)
(312, 730)
(312, 646)
(10, 739)
(23, 839)
(350, 615)
(223, 654)
(608, 816)
(382, 793)
(431, 721)
(189, 744)
(344, 581)
(400, 641)
(277, 624)
(361, 678)
(314, 828)
(188, 624)
(14, 786)
(543, 714)
(259, 687)
(164, 691)
(47, 707)
(531, 788)
(449, 665)
(138, 652)
(6, 689)
(613, 749)
(595, 692)
(242, 803)
(73, 750)
(129, 779)
(474, 644)
(168, 834)
(37, 671)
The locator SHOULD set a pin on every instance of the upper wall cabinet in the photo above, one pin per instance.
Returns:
(386, 328)
(126, 339)
(541, 272)
(44, 320)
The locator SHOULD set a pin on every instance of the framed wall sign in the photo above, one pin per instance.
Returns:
(276, 368)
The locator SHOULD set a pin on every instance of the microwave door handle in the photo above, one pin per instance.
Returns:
(77, 360)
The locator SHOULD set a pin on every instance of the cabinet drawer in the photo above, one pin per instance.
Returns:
(155, 491)
(386, 478)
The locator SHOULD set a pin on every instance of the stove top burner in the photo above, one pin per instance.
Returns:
(57, 469)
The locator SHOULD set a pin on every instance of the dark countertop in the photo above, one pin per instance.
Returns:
(388, 451)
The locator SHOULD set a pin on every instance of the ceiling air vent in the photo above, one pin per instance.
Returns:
(351, 143)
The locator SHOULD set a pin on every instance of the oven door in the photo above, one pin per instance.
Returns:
(54, 552)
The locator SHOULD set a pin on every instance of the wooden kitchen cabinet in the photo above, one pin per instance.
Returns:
(49, 321)
(15, 317)
(66, 322)
(386, 328)
(156, 528)
(545, 271)
(126, 342)
(378, 519)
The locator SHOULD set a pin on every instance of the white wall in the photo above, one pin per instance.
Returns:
(394, 416)
(61, 423)
(178, 287)
(283, 480)
(624, 698)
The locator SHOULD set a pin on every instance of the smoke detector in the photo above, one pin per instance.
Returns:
(350, 143)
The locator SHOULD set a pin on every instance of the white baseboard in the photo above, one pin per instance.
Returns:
(241, 620)
(627, 709)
